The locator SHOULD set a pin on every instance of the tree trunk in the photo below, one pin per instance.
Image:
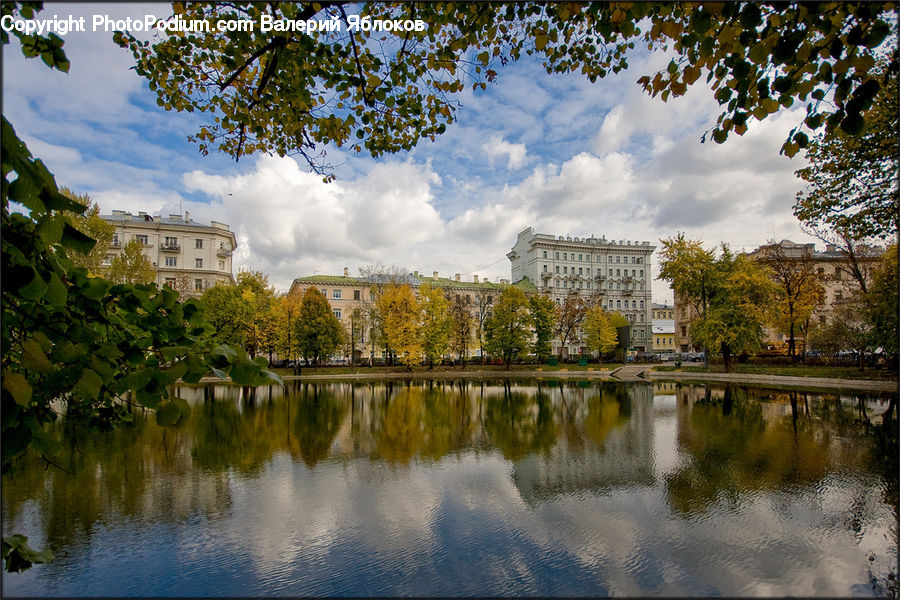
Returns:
(726, 357)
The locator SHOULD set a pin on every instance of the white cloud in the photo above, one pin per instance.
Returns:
(498, 147)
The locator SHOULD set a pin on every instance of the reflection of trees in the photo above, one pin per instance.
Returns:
(401, 431)
(316, 423)
(449, 421)
(519, 425)
(609, 410)
(732, 451)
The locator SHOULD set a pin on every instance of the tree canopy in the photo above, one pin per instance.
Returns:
(132, 265)
(318, 331)
(382, 89)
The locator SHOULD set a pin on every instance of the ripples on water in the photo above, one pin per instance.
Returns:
(542, 489)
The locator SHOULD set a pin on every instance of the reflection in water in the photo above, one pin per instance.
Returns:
(466, 487)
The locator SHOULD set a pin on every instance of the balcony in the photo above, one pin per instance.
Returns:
(223, 252)
(628, 291)
(600, 278)
(115, 244)
(546, 275)
(170, 248)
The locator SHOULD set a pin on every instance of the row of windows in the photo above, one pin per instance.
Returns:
(582, 271)
(199, 284)
(170, 241)
(587, 258)
(172, 261)
(663, 341)
(337, 294)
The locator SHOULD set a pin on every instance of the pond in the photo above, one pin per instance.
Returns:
(535, 488)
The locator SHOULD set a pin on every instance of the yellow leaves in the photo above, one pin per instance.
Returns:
(540, 39)
(617, 17)
(671, 29)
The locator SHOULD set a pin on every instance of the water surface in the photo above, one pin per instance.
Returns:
(527, 488)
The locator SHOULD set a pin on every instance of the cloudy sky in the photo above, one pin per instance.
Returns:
(556, 153)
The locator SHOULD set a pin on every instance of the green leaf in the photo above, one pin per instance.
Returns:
(56, 293)
(33, 357)
(19, 556)
(88, 387)
(76, 240)
(35, 289)
(17, 386)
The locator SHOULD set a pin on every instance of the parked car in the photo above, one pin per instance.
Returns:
(645, 357)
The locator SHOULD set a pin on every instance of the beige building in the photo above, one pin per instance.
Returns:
(187, 255)
(831, 267)
(615, 272)
(346, 293)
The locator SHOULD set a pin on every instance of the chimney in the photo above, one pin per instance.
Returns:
(457, 277)
(346, 272)
(187, 216)
(434, 276)
(476, 279)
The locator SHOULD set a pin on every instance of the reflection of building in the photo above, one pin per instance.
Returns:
(624, 458)
(614, 273)
(187, 255)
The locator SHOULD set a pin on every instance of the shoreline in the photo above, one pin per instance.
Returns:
(622, 374)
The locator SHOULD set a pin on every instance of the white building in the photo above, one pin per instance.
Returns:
(613, 273)
(187, 255)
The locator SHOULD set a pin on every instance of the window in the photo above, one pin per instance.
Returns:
(610, 285)
(588, 270)
(618, 304)
(337, 313)
(324, 292)
(198, 284)
(642, 272)
(565, 256)
(545, 268)
(557, 269)
(170, 281)
(221, 265)
(198, 243)
(565, 284)
(545, 254)
(198, 263)
(640, 260)
(642, 304)
(634, 304)
(142, 239)
(171, 241)
(618, 286)
(336, 294)
(579, 270)
(356, 294)
(557, 255)
(588, 285)
(557, 285)
(171, 261)
(610, 272)
(618, 272)
(838, 296)
(617, 259)
(579, 257)
(115, 240)
(820, 271)
(565, 270)
(683, 331)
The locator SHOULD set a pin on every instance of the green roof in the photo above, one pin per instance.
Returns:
(442, 282)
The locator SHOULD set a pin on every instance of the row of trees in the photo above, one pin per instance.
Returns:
(407, 326)
(733, 296)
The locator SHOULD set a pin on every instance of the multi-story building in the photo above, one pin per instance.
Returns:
(614, 273)
(663, 329)
(832, 269)
(187, 255)
(346, 293)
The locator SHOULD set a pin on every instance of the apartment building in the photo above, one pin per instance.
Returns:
(346, 293)
(663, 329)
(614, 273)
(188, 256)
(831, 267)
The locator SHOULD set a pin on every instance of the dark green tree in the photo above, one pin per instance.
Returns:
(318, 331)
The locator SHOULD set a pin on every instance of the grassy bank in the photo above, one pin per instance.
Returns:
(793, 371)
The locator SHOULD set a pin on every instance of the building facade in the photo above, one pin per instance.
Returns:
(615, 274)
(663, 329)
(188, 256)
(832, 269)
(351, 297)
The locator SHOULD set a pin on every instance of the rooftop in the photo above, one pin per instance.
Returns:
(121, 216)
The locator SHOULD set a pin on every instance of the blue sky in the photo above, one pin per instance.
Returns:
(556, 153)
